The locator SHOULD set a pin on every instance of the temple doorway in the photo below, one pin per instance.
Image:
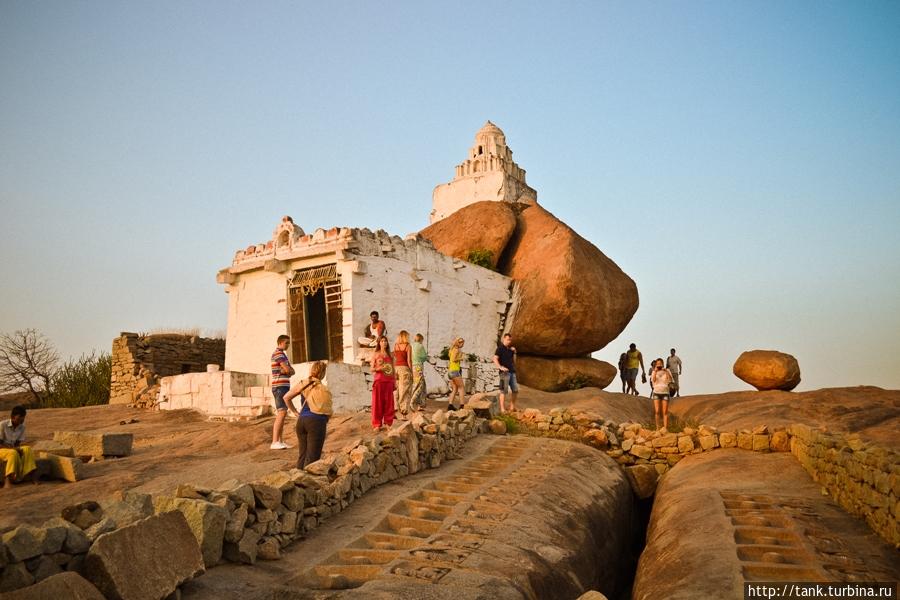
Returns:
(315, 320)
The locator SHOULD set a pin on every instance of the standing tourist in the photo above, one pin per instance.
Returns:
(374, 330)
(505, 359)
(382, 386)
(281, 383)
(633, 360)
(457, 387)
(312, 419)
(673, 364)
(403, 369)
(19, 458)
(623, 373)
(419, 357)
(660, 379)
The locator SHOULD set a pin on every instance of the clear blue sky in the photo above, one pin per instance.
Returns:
(740, 160)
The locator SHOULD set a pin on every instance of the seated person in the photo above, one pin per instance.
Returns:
(19, 458)
(374, 330)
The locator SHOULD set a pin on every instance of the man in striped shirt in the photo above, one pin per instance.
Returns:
(281, 383)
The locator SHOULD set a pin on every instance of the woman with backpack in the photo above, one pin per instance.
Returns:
(312, 418)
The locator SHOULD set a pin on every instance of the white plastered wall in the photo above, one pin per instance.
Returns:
(448, 198)
(437, 300)
(257, 315)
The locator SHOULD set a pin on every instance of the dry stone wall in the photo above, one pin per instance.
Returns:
(862, 477)
(139, 361)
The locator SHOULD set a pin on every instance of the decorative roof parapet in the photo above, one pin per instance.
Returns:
(290, 242)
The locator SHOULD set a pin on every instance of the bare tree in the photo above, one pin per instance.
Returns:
(27, 362)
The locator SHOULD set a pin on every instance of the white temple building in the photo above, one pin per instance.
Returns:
(320, 289)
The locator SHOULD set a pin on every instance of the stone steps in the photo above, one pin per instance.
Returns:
(423, 536)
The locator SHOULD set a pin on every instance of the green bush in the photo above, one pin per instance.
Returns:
(512, 425)
(481, 257)
(472, 357)
(80, 382)
(445, 353)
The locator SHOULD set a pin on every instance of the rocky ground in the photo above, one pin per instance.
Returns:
(872, 412)
(739, 490)
(177, 446)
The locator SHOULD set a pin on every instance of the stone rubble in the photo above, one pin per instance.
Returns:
(125, 564)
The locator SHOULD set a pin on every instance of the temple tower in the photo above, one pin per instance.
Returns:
(489, 173)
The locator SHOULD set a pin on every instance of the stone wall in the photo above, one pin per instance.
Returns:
(646, 454)
(862, 477)
(138, 361)
(241, 521)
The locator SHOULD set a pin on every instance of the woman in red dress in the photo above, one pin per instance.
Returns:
(382, 386)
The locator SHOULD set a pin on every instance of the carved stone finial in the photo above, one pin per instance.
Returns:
(286, 233)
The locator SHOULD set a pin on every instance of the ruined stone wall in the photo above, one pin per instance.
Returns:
(138, 361)
(862, 477)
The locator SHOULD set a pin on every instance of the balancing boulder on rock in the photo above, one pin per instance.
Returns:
(768, 370)
(573, 299)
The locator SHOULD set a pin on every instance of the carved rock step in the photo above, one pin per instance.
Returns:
(410, 541)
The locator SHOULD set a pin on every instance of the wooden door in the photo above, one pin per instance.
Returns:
(297, 325)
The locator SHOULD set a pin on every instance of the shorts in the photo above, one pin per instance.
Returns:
(508, 379)
(660, 396)
(279, 393)
(631, 374)
(454, 374)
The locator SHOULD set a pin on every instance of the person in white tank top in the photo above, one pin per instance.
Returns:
(660, 378)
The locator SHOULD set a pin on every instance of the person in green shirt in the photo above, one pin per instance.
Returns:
(419, 358)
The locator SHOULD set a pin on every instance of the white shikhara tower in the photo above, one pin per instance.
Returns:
(489, 173)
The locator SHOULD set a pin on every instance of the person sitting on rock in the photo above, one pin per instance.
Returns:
(374, 330)
(19, 458)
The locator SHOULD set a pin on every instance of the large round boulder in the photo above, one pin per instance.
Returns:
(476, 227)
(572, 299)
(559, 374)
(768, 370)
